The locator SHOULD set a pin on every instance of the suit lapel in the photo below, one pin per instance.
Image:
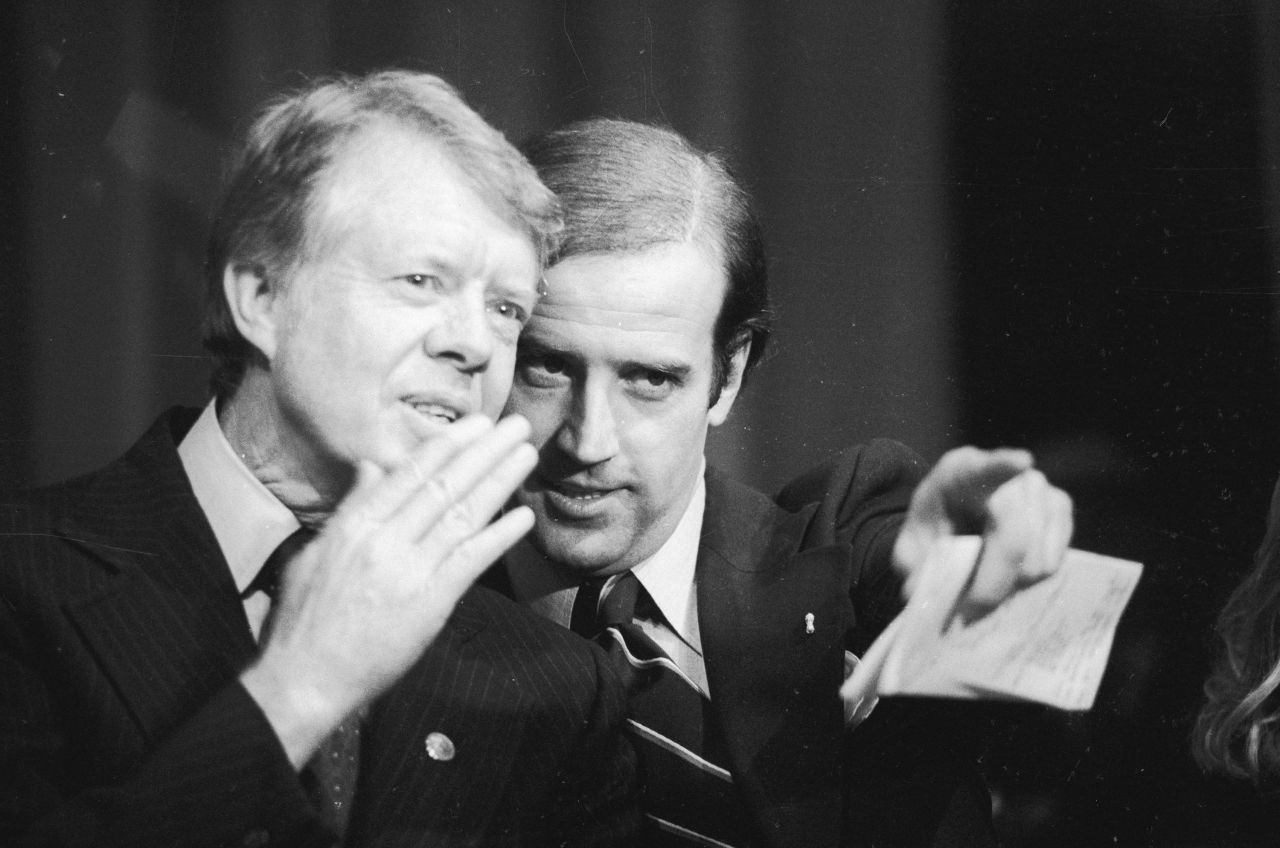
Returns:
(166, 626)
(773, 685)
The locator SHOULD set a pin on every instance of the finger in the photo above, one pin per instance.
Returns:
(1059, 525)
(987, 467)
(952, 499)
(909, 584)
(1028, 531)
(469, 559)
(994, 579)
(1012, 539)
(362, 492)
(469, 514)
(499, 460)
(1032, 519)
(966, 479)
(367, 476)
(959, 486)
(378, 502)
(910, 551)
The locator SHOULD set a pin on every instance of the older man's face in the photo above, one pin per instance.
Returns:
(405, 313)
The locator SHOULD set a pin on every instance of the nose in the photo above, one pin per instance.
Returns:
(590, 430)
(462, 334)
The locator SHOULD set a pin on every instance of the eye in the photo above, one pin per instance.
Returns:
(422, 281)
(653, 384)
(513, 311)
(541, 370)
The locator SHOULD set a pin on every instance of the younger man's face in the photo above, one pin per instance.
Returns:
(614, 372)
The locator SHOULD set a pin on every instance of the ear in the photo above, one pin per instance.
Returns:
(253, 300)
(732, 384)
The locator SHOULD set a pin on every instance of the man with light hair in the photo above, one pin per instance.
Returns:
(258, 627)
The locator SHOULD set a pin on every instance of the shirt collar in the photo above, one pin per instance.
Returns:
(247, 520)
(668, 575)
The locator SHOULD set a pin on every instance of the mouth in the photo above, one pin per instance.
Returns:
(577, 493)
(575, 501)
(435, 410)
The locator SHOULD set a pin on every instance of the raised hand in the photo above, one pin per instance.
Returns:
(365, 598)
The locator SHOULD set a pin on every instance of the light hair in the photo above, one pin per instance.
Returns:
(1236, 732)
(265, 218)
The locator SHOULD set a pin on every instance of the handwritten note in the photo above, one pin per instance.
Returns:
(1048, 642)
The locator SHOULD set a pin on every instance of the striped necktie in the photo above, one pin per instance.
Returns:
(689, 797)
(329, 777)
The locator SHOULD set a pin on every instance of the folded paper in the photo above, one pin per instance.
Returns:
(1048, 642)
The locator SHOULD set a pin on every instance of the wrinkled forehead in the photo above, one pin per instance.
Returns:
(399, 145)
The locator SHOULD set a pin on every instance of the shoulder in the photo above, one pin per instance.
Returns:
(560, 679)
(854, 501)
(46, 533)
(856, 496)
(879, 466)
(43, 506)
(527, 639)
(36, 538)
(150, 462)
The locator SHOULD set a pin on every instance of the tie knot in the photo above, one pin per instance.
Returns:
(618, 606)
(622, 601)
(272, 571)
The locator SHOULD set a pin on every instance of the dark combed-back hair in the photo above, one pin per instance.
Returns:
(265, 221)
(628, 186)
(1238, 730)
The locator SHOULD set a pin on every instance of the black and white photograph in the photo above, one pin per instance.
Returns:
(729, 424)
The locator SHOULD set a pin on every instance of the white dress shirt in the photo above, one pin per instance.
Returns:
(668, 576)
(248, 521)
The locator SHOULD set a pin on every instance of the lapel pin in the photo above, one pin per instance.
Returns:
(808, 624)
(440, 747)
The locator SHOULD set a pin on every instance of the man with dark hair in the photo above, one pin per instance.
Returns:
(735, 617)
(257, 627)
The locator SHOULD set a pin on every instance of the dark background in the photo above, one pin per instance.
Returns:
(1036, 223)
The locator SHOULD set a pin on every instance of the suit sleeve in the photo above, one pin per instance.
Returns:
(597, 802)
(219, 777)
(911, 777)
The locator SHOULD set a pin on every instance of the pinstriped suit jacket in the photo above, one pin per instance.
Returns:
(122, 723)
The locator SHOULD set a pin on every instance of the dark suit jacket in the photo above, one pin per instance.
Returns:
(907, 775)
(122, 721)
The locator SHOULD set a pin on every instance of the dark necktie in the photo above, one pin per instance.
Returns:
(271, 575)
(329, 777)
(689, 796)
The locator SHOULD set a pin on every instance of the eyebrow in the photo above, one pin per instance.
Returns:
(679, 370)
(439, 261)
(529, 343)
(532, 342)
(516, 292)
(420, 260)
